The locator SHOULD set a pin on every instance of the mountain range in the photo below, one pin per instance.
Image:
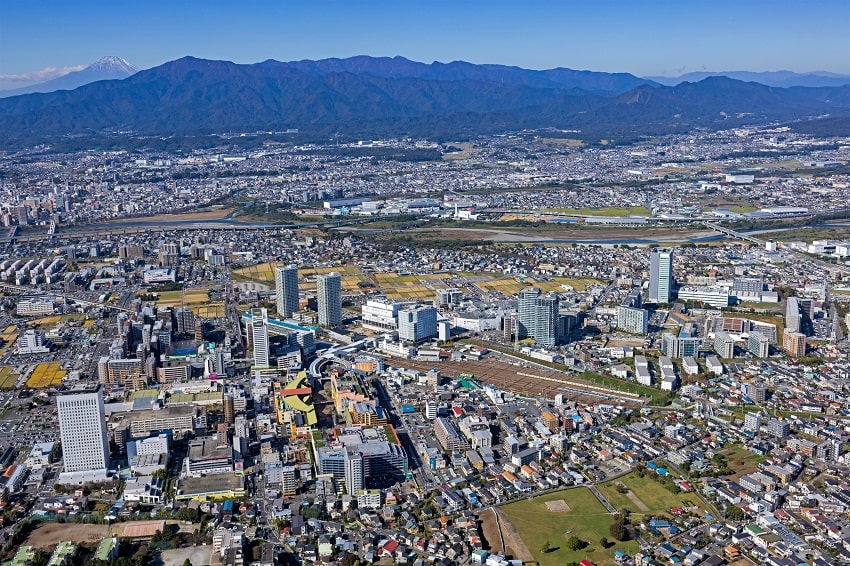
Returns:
(103, 69)
(369, 96)
(782, 79)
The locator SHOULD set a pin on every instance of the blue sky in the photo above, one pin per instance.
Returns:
(643, 37)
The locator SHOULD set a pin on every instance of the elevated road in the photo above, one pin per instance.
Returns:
(734, 234)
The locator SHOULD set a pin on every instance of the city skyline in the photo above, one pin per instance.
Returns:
(646, 40)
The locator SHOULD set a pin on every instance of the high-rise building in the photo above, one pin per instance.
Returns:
(82, 427)
(752, 421)
(288, 481)
(169, 254)
(794, 344)
(329, 298)
(681, 346)
(538, 317)
(185, 319)
(260, 336)
(758, 344)
(779, 428)
(793, 317)
(724, 344)
(417, 323)
(229, 410)
(631, 317)
(661, 276)
(286, 287)
(355, 479)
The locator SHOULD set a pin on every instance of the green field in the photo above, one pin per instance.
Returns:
(657, 499)
(741, 460)
(587, 519)
(604, 211)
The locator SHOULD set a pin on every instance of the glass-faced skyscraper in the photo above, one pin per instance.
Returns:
(286, 287)
(661, 276)
(329, 299)
(538, 317)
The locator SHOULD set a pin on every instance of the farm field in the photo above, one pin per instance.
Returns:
(197, 300)
(512, 286)
(7, 377)
(46, 375)
(586, 519)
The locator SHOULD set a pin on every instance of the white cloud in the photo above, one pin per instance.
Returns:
(41, 75)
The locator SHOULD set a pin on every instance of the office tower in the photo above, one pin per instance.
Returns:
(758, 344)
(260, 336)
(286, 287)
(631, 317)
(417, 323)
(329, 298)
(661, 276)
(538, 317)
(82, 427)
(794, 344)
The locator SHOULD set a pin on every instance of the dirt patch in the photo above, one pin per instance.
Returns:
(48, 535)
(512, 538)
(636, 500)
(490, 531)
(557, 506)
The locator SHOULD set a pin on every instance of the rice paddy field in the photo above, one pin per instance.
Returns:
(8, 337)
(197, 300)
(46, 375)
(512, 286)
(7, 377)
(411, 286)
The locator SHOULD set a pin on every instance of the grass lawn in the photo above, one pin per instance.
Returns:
(741, 460)
(650, 492)
(587, 519)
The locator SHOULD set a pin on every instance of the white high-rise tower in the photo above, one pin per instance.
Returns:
(260, 336)
(329, 298)
(286, 287)
(661, 276)
(82, 427)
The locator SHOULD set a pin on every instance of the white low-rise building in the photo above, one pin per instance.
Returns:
(144, 489)
(39, 456)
